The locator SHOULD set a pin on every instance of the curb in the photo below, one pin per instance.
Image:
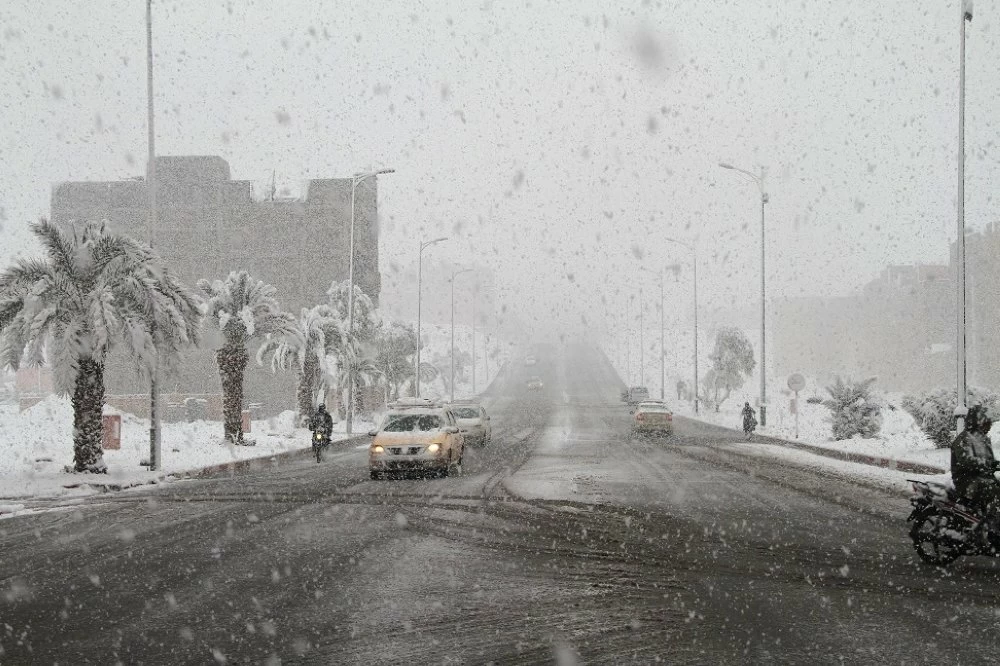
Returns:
(863, 458)
(847, 456)
(262, 462)
(230, 468)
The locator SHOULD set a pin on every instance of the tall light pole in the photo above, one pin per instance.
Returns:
(759, 180)
(475, 295)
(628, 340)
(642, 351)
(155, 461)
(454, 274)
(663, 354)
(961, 407)
(356, 179)
(694, 270)
(420, 274)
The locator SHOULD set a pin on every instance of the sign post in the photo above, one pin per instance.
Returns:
(796, 383)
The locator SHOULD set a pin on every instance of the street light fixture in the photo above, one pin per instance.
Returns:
(454, 274)
(961, 390)
(356, 179)
(759, 180)
(420, 273)
(694, 267)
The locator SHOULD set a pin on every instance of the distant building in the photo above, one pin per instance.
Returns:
(208, 225)
(899, 328)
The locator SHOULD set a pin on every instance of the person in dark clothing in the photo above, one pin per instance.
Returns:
(749, 418)
(321, 421)
(973, 465)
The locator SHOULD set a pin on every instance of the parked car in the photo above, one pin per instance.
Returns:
(535, 384)
(530, 360)
(652, 418)
(474, 422)
(416, 435)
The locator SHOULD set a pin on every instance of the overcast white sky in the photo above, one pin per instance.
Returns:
(555, 141)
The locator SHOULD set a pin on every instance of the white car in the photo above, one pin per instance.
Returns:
(416, 436)
(474, 423)
(652, 417)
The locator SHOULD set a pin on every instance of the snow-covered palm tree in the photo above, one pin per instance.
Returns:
(316, 334)
(356, 349)
(395, 345)
(244, 309)
(94, 291)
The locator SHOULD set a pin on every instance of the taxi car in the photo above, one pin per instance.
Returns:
(652, 418)
(473, 421)
(416, 435)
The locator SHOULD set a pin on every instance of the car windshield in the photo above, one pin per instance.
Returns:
(412, 422)
(466, 412)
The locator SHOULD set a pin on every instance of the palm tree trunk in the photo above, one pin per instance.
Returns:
(88, 405)
(232, 360)
(305, 393)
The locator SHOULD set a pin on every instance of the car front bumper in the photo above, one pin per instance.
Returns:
(405, 463)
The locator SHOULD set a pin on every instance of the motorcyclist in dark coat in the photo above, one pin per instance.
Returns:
(321, 421)
(973, 464)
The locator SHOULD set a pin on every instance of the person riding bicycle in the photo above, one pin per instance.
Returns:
(749, 418)
(321, 421)
(973, 465)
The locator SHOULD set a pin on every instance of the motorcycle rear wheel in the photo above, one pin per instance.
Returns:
(930, 542)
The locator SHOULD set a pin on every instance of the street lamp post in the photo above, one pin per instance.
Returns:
(155, 449)
(961, 390)
(642, 351)
(453, 275)
(475, 296)
(694, 271)
(356, 180)
(663, 354)
(759, 180)
(420, 273)
(628, 340)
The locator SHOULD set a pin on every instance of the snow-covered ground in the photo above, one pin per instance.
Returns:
(37, 444)
(900, 438)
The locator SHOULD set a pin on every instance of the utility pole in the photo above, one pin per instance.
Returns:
(420, 277)
(961, 409)
(155, 450)
(475, 295)
(355, 181)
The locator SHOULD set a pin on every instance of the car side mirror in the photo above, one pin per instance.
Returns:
(631, 411)
(372, 433)
(451, 430)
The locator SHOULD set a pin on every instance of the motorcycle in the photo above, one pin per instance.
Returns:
(947, 526)
(319, 442)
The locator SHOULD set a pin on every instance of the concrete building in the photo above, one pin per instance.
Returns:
(209, 225)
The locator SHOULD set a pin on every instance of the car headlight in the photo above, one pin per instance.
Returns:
(378, 448)
(434, 448)
(319, 436)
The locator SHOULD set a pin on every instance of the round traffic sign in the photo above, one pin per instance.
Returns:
(796, 382)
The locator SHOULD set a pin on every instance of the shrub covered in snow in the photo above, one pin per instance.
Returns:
(854, 410)
(934, 412)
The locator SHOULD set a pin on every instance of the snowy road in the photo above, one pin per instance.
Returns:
(565, 540)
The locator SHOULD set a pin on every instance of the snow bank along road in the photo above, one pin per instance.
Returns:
(564, 541)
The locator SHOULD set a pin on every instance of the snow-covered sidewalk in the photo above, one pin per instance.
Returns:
(37, 444)
(901, 448)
